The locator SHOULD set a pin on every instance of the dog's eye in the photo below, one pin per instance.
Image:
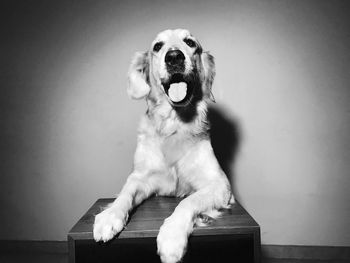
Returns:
(189, 42)
(157, 46)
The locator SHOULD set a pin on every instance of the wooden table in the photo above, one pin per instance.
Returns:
(233, 237)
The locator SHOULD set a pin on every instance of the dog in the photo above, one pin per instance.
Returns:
(174, 156)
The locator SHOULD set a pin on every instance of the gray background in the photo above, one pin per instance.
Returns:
(68, 129)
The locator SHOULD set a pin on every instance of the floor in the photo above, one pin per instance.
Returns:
(63, 258)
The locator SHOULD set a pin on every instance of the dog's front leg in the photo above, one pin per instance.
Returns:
(112, 220)
(173, 234)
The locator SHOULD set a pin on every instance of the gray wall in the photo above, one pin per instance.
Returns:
(68, 130)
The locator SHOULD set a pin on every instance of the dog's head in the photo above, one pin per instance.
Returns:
(175, 69)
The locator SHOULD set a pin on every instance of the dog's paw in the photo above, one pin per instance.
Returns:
(171, 242)
(107, 224)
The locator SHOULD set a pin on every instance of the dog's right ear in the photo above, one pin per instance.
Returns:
(138, 76)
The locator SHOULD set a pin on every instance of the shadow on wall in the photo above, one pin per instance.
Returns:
(225, 135)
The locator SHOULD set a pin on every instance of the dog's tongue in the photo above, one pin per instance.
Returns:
(177, 91)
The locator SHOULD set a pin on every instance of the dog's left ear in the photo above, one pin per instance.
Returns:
(209, 73)
(138, 76)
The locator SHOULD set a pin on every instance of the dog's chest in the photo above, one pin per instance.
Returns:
(175, 147)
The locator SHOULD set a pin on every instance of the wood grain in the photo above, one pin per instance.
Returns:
(235, 234)
(146, 220)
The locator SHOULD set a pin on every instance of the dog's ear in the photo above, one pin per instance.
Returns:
(138, 76)
(209, 73)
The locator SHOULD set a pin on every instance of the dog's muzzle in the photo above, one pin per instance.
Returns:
(180, 87)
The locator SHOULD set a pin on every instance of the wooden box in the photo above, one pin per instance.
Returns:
(233, 237)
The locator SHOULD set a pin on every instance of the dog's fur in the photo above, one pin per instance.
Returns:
(174, 156)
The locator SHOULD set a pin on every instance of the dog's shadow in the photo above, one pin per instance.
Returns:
(225, 135)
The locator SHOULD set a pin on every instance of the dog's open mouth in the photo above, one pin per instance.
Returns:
(179, 90)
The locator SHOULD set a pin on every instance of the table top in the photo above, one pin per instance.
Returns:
(146, 219)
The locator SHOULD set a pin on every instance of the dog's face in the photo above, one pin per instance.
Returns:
(175, 69)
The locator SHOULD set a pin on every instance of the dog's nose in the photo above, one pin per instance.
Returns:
(174, 58)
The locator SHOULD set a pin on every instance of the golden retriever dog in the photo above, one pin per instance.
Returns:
(174, 155)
